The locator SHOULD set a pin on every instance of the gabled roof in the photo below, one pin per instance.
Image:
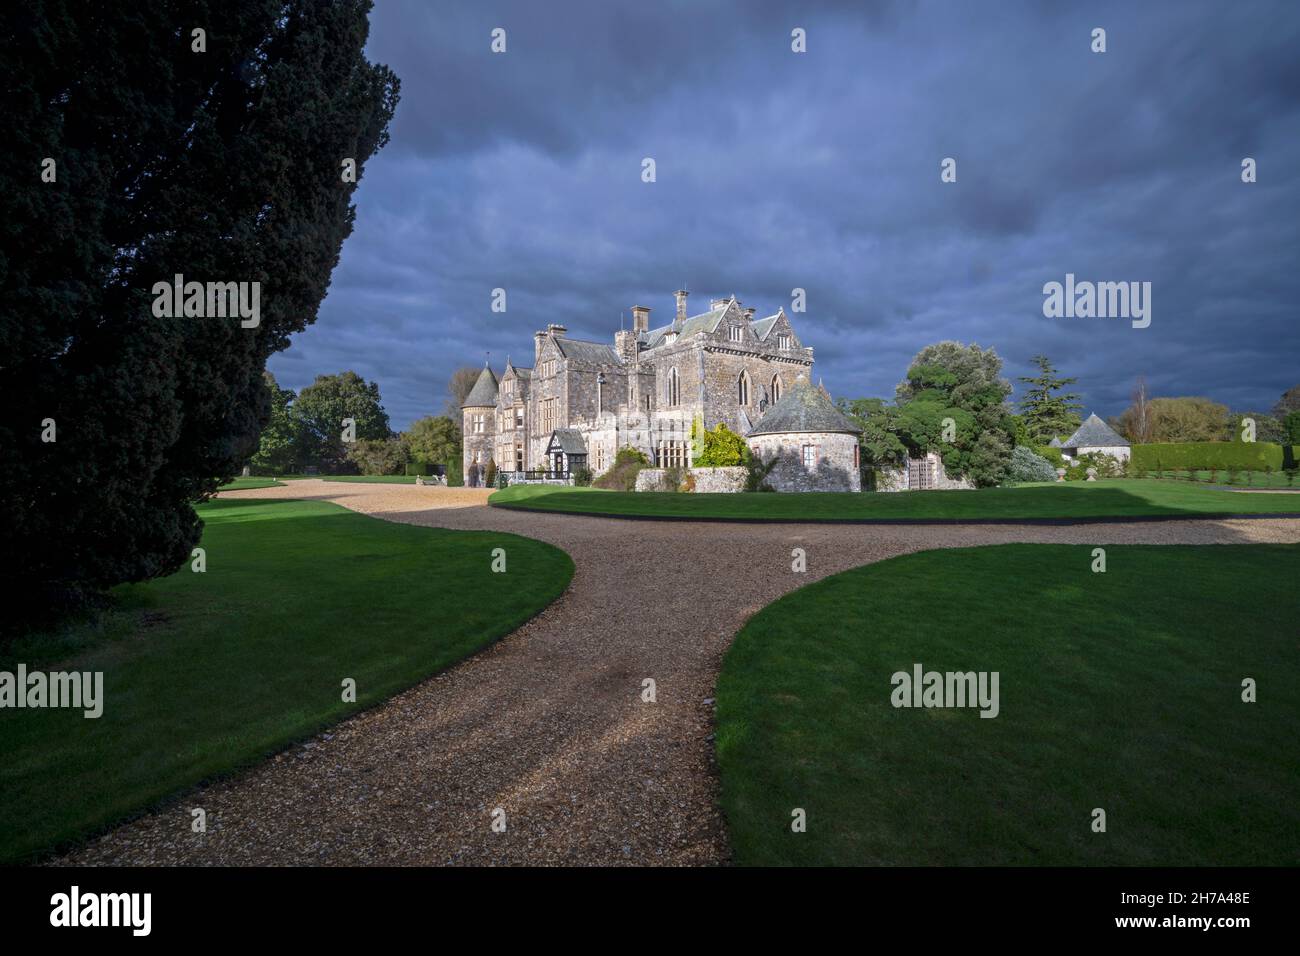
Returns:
(590, 353)
(484, 392)
(804, 408)
(1094, 433)
(704, 322)
(1055, 443)
(763, 327)
(567, 440)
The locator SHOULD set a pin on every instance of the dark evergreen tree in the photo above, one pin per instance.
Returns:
(1048, 411)
(219, 157)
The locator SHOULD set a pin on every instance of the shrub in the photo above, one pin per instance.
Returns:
(688, 483)
(1025, 465)
(419, 468)
(674, 478)
(723, 448)
(1052, 455)
(581, 477)
(377, 456)
(621, 475)
(455, 474)
(490, 474)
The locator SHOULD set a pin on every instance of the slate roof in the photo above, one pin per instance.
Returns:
(590, 353)
(567, 440)
(1055, 443)
(804, 408)
(704, 322)
(484, 391)
(764, 326)
(1094, 433)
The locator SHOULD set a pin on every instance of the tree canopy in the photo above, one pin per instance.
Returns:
(1047, 410)
(323, 408)
(138, 152)
(434, 440)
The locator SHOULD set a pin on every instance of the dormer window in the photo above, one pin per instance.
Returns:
(670, 338)
(735, 334)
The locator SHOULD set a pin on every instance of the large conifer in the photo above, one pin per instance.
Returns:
(220, 164)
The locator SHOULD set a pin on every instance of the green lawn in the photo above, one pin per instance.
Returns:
(204, 673)
(1119, 690)
(1078, 499)
(243, 484)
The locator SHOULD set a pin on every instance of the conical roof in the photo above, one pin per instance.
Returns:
(484, 392)
(1094, 433)
(804, 408)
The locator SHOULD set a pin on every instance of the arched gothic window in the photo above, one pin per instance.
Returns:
(742, 389)
(674, 390)
(776, 388)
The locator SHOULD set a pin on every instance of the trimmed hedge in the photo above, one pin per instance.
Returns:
(422, 468)
(1204, 455)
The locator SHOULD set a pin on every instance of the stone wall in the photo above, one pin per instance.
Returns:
(719, 480)
(654, 479)
(899, 479)
(836, 469)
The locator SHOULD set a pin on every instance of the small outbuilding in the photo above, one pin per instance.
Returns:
(814, 445)
(1094, 435)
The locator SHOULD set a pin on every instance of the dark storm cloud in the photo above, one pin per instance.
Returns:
(821, 171)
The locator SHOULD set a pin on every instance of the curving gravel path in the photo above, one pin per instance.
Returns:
(549, 724)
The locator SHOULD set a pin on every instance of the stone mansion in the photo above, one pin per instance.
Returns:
(580, 401)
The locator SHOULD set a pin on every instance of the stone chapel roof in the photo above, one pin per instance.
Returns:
(1094, 433)
(484, 392)
(804, 408)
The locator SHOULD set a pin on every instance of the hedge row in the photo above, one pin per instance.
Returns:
(1204, 455)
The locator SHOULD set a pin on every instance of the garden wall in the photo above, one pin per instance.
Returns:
(715, 480)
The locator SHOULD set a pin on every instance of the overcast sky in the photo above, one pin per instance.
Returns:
(821, 171)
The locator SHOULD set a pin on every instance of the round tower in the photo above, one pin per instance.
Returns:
(478, 426)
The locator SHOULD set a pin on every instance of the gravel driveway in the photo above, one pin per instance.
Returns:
(549, 724)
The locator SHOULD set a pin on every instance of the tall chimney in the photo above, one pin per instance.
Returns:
(539, 338)
(749, 314)
(640, 318)
(681, 295)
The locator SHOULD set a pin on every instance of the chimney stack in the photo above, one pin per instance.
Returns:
(538, 339)
(681, 295)
(556, 330)
(749, 315)
(640, 318)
